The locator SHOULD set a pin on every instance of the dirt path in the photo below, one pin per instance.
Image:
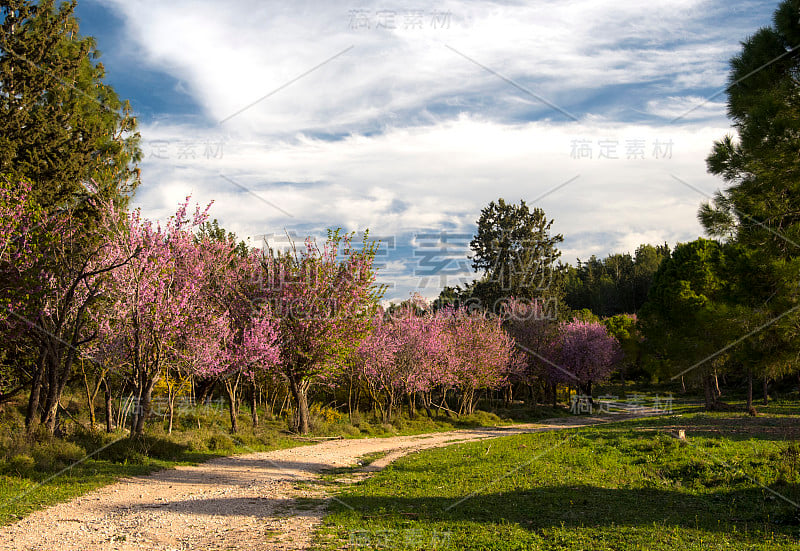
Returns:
(248, 502)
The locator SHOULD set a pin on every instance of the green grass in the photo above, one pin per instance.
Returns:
(618, 486)
(369, 425)
(38, 472)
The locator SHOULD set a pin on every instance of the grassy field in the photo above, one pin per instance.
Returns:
(733, 484)
(37, 472)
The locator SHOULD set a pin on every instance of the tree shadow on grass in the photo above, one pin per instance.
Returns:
(582, 506)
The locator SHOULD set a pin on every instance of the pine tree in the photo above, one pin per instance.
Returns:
(758, 214)
(61, 126)
(517, 255)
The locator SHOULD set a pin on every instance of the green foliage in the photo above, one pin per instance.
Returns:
(585, 314)
(214, 232)
(619, 486)
(517, 256)
(758, 212)
(625, 329)
(615, 285)
(687, 319)
(61, 127)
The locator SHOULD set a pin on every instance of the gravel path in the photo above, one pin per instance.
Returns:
(264, 500)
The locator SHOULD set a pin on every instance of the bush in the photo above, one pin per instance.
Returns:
(356, 418)
(54, 455)
(221, 441)
(325, 414)
(125, 452)
(20, 465)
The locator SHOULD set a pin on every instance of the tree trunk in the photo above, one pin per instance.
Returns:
(123, 409)
(445, 404)
(51, 416)
(55, 388)
(299, 391)
(350, 399)
(708, 391)
(90, 396)
(32, 414)
(426, 400)
(749, 389)
(231, 388)
(59, 368)
(234, 416)
(170, 412)
(412, 410)
(109, 410)
(716, 384)
(254, 407)
(143, 408)
(766, 391)
(272, 403)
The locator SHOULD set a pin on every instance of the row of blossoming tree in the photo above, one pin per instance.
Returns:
(139, 302)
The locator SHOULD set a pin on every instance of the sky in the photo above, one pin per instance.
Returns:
(407, 119)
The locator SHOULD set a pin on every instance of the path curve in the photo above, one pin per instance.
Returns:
(250, 502)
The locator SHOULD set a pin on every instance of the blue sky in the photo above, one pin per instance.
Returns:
(407, 119)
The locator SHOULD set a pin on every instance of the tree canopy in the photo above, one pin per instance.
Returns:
(61, 126)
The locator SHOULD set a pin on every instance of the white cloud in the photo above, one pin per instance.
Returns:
(687, 107)
(426, 137)
(559, 49)
(438, 177)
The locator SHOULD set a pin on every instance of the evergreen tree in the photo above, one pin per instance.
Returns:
(687, 321)
(61, 126)
(758, 213)
(517, 255)
(617, 284)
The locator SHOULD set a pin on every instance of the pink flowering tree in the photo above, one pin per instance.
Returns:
(587, 351)
(26, 232)
(425, 357)
(325, 301)
(406, 355)
(376, 364)
(23, 239)
(482, 355)
(159, 315)
(73, 263)
(413, 351)
(248, 342)
(535, 333)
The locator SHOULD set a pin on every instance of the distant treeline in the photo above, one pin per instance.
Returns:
(617, 284)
